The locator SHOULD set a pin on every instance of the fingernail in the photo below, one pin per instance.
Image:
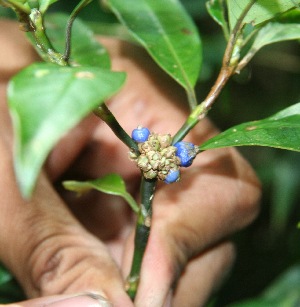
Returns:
(80, 300)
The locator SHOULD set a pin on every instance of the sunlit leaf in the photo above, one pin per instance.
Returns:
(110, 184)
(261, 11)
(281, 130)
(167, 32)
(47, 100)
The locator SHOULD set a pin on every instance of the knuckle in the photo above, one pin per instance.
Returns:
(66, 263)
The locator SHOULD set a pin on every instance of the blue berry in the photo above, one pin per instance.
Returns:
(186, 152)
(140, 134)
(172, 176)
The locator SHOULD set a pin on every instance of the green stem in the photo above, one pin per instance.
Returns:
(191, 95)
(190, 123)
(82, 4)
(21, 7)
(42, 41)
(105, 114)
(202, 109)
(142, 233)
(229, 65)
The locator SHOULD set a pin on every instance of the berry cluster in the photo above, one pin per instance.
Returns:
(158, 157)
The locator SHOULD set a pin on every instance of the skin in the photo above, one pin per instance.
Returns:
(59, 244)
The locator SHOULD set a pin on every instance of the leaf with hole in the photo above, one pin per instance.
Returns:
(46, 101)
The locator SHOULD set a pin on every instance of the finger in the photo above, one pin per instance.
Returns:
(214, 199)
(79, 300)
(50, 253)
(104, 153)
(46, 248)
(203, 275)
(69, 147)
(137, 103)
(15, 51)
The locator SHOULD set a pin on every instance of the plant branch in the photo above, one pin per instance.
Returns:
(229, 65)
(21, 7)
(106, 115)
(191, 98)
(82, 4)
(41, 39)
(142, 233)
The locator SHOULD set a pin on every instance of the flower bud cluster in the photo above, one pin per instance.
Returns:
(157, 157)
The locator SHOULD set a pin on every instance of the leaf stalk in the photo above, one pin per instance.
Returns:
(106, 115)
(228, 68)
(82, 4)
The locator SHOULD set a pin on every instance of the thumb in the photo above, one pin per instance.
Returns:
(77, 300)
(47, 249)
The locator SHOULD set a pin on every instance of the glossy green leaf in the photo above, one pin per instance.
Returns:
(44, 4)
(86, 50)
(285, 291)
(261, 11)
(216, 10)
(110, 184)
(167, 32)
(47, 100)
(281, 130)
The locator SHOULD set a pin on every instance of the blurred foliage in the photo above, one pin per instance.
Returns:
(10, 291)
(283, 292)
(270, 246)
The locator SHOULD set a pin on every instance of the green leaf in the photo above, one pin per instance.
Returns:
(44, 5)
(167, 32)
(272, 32)
(216, 10)
(47, 100)
(285, 291)
(86, 50)
(10, 291)
(275, 32)
(281, 130)
(261, 11)
(110, 184)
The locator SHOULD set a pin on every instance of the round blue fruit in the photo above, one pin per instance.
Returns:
(140, 134)
(172, 176)
(186, 152)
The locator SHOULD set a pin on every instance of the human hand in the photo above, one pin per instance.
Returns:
(51, 253)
